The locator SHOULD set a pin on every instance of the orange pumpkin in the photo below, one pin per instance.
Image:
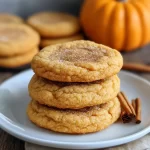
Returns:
(120, 24)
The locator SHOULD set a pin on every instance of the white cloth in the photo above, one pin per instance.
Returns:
(140, 144)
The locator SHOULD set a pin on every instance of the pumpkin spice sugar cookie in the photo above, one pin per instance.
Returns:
(17, 39)
(73, 95)
(49, 41)
(85, 120)
(10, 18)
(77, 61)
(18, 60)
(54, 24)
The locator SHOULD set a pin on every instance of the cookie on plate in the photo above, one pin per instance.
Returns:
(49, 41)
(73, 95)
(10, 18)
(77, 61)
(18, 60)
(85, 120)
(17, 39)
(54, 24)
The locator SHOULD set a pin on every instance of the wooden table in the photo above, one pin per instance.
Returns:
(7, 142)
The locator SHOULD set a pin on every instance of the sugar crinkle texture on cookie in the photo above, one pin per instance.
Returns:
(77, 61)
(85, 120)
(73, 95)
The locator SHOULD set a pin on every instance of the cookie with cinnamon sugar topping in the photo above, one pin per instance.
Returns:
(16, 39)
(10, 18)
(54, 24)
(77, 61)
(79, 121)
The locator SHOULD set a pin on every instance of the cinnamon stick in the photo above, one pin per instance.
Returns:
(134, 104)
(125, 117)
(131, 107)
(138, 110)
(136, 67)
(126, 105)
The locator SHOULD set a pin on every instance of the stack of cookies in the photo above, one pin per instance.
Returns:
(74, 88)
(18, 43)
(55, 27)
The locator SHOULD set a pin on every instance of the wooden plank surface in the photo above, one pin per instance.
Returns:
(7, 142)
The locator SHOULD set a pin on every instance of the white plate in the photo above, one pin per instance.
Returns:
(13, 119)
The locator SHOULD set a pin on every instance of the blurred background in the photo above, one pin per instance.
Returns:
(132, 40)
(25, 8)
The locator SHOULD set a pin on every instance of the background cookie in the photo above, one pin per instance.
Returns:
(73, 95)
(54, 24)
(78, 61)
(47, 42)
(17, 39)
(10, 18)
(85, 120)
(18, 60)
